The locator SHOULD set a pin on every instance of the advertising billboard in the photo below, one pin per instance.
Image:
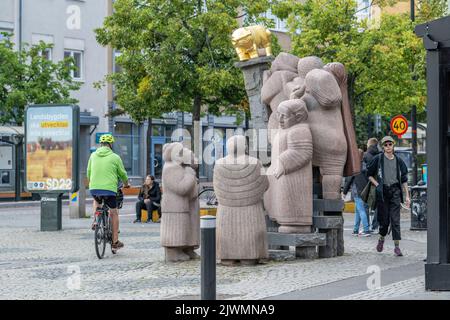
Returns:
(51, 138)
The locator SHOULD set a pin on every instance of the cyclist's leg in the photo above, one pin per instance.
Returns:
(95, 205)
(114, 214)
(111, 202)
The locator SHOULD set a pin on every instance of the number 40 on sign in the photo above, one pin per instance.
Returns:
(399, 125)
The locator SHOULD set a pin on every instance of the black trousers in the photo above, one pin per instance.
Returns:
(149, 207)
(389, 211)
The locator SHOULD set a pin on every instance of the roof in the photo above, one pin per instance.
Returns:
(11, 130)
(435, 33)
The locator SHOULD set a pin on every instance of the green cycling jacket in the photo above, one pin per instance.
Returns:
(105, 169)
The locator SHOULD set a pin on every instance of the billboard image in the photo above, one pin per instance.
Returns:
(49, 148)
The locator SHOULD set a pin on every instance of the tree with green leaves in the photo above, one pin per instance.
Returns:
(27, 77)
(378, 57)
(177, 56)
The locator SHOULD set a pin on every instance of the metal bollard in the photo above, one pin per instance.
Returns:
(208, 257)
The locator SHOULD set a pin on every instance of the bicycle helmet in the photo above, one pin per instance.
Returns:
(107, 138)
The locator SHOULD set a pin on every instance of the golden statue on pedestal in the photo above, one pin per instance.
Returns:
(248, 40)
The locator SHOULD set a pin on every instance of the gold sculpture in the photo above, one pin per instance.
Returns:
(248, 40)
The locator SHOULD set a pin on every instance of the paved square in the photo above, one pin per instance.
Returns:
(63, 265)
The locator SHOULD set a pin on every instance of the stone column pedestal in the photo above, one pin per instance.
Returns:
(253, 71)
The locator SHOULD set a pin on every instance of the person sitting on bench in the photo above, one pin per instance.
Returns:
(149, 198)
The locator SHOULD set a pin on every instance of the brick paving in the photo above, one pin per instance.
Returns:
(63, 265)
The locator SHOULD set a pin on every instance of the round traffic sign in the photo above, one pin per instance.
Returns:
(399, 125)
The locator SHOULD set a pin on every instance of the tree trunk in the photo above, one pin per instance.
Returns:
(196, 117)
(149, 147)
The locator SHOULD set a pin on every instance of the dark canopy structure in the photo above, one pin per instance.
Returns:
(436, 39)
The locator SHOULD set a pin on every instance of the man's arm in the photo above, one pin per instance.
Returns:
(348, 183)
(122, 173)
(158, 194)
(404, 181)
(407, 198)
(88, 173)
(372, 168)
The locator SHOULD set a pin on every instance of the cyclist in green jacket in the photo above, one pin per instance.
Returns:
(104, 169)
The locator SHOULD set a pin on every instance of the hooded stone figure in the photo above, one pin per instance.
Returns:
(179, 205)
(289, 198)
(273, 91)
(239, 185)
(323, 99)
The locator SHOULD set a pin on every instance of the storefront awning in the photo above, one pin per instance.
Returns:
(11, 131)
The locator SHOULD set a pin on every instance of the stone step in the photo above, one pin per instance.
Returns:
(328, 222)
(296, 239)
(281, 255)
(328, 205)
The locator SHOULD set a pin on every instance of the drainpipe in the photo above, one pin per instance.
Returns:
(20, 24)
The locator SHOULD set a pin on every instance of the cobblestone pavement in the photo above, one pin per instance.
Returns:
(392, 291)
(63, 265)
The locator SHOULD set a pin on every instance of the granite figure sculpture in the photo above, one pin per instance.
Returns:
(180, 221)
(239, 185)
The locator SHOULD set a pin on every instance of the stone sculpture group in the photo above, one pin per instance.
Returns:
(308, 126)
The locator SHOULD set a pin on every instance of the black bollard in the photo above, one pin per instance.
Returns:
(208, 257)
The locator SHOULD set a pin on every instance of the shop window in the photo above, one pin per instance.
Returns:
(127, 145)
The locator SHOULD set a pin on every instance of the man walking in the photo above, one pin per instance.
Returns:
(389, 174)
(372, 151)
(356, 184)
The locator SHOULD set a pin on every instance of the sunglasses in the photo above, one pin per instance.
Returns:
(388, 144)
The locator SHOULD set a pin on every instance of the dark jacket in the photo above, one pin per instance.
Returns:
(371, 152)
(376, 169)
(360, 181)
(153, 193)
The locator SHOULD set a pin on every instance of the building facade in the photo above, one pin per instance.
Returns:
(68, 25)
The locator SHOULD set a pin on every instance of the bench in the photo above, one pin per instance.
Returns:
(144, 216)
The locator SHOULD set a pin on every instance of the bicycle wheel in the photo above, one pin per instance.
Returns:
(100, 237)
(208, 196)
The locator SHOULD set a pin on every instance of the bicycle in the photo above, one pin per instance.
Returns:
(208, 195)
(103, 227)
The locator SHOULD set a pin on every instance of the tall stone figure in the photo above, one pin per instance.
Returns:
(239, 186)
(180, 225)
(323, 98)
(289, 199)
(322, 89)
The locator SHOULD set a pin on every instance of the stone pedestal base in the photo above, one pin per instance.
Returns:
(249, 262)
(294, 229)
(306, 253)
(175, 255)
(191, 253)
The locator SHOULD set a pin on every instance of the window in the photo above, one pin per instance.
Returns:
(280, 25)
(117, 67)
(47, 54)
(77, 56)
(158, 130)
(2, 33)
(126, 145)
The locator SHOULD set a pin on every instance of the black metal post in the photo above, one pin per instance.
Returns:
(413, 120)
(18, 160)
(208, 257)
(435, 36)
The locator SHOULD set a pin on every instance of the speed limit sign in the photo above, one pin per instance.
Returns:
(399, 125)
